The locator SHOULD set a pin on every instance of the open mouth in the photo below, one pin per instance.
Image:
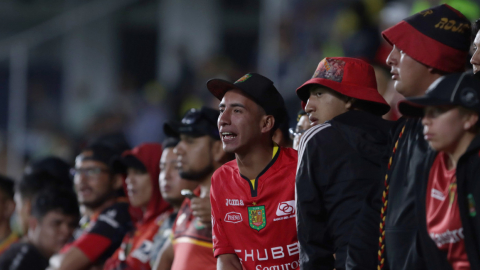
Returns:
(228, 136)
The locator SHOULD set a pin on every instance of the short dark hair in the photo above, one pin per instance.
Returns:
(475, 28)
(7, 185)
(31, 184)
(50, 199)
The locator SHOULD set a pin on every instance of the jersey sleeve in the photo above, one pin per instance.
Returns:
(107, 233)
(219, 238)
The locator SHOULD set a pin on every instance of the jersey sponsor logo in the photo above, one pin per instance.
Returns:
(437, 194)
(286, 266)
(275, 253)
(108, 218)
(448, 237)
(143, 252)
(233, 217)
(256, 217)
(285, 210)
(234, 202)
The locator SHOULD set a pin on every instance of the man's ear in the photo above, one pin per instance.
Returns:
(268, 122)
(471, 120)
(117, 181)
(217, 150)
(349, 103)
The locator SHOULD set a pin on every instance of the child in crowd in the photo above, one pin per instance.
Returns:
(450, 111)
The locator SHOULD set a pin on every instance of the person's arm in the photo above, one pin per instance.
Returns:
(74, 259)
(228, 262)
(316, 247)
(165, 257)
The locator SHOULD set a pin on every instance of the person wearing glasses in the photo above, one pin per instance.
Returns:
(303, 124)
(199, 154)
(106, 217)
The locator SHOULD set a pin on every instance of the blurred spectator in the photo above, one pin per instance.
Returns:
(7, 208)
(141, 165)
(106, 218)
(281, 136)
(54, 218)
(303, 124)
(171, 185)
(46, 172)
(199, 153)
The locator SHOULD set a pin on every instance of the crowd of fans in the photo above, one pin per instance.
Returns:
(234, 188)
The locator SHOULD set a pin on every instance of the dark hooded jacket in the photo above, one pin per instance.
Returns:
(338, 164)
(134, 253)
(406, 238)
(468, 191)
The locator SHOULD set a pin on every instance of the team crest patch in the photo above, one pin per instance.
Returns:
(256, 217)
(330, 69)
(244, 78)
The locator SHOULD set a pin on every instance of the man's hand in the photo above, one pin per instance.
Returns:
(202, 210)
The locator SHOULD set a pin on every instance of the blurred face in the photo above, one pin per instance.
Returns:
(170, 182)
(411, 78)
(475, 61)
(52, 232)
(139, 187)
(194, 157)
(240, 121)
(93, 183)
(302, 126)
(23, 211)
(444, 127)
(324, 104)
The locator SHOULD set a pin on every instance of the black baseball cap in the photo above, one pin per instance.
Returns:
(122, 163)
(458, 89)
(195, 123)
(259, 88)
(99, 151)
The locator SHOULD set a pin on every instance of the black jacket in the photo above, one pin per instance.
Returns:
(468, 192)
(339, 162)
(468, 188)
(402, 241)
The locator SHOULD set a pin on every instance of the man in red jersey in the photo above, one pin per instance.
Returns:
(253, 198)
(199, 154)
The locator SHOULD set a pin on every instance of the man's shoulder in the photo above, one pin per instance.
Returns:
(227, 168)
(22, 255)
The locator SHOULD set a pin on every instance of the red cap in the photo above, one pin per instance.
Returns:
(351, 77)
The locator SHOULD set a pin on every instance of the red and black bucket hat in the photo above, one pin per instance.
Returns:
(351, 77)
(438, 37)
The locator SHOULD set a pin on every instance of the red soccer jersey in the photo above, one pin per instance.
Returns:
(255, 218)
(192, 243)
(443, 217)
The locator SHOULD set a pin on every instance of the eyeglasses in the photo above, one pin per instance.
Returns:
(295, 132)
(89, 172)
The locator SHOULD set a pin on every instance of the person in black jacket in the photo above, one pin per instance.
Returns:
(339, 158)
(450, 113)
(424, 49)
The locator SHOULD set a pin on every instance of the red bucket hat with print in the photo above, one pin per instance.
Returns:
(438, 37)
(351, 77)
